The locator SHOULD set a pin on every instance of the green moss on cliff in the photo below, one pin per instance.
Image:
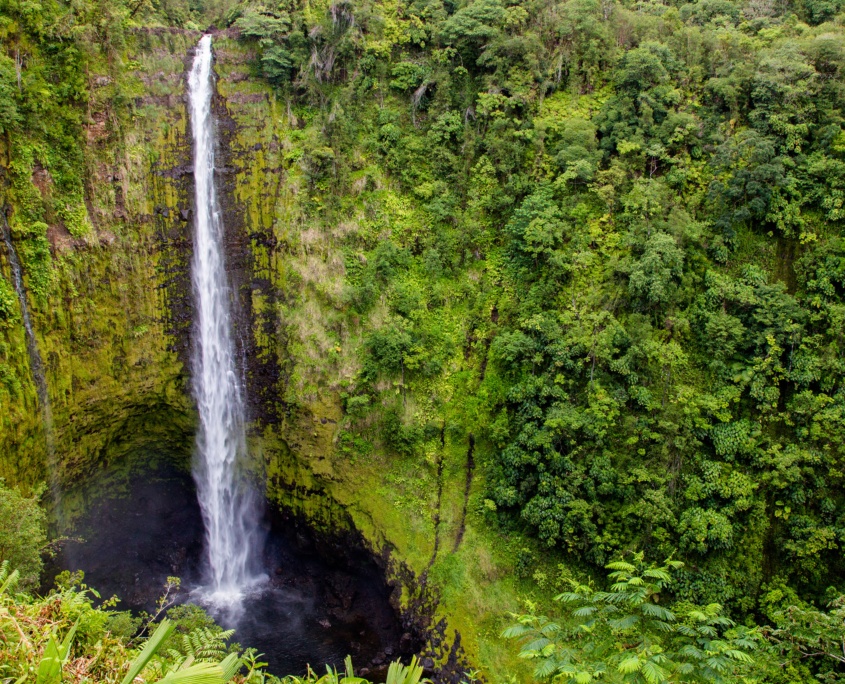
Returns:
(113, 318)
(98, 297)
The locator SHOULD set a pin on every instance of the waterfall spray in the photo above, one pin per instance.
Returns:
(228, 508)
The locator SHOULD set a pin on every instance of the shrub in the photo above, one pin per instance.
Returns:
(22, 533)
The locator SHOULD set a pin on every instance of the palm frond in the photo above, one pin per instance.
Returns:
(230, 665)
(398, 673)
(164, 630)
(198, 673)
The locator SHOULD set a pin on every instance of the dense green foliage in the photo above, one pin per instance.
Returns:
(626, 218)
(66, 637)
(624, 634)
(23, 534)
(600, 242)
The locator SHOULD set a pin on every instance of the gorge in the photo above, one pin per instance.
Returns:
(139, 436)
(506, 336)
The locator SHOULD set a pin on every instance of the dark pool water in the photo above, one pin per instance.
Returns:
(320, 602)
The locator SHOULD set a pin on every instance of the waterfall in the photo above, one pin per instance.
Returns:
(228, 507)
(36, 364)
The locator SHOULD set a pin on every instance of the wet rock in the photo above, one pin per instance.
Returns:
(177, 172)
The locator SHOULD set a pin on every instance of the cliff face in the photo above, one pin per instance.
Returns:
(114, 327)
(112, 315)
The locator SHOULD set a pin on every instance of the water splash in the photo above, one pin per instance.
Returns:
(228, 507)
(36, 363)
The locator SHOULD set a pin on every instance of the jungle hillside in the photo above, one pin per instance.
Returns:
(543, 300)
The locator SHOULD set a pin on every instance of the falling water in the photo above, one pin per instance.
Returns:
(35, 362)
(228, 508)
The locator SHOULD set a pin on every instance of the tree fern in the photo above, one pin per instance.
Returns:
(8, 578)
(206, 645)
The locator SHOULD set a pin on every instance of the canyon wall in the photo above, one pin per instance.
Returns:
(114, 330)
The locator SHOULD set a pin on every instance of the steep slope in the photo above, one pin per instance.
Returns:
(521, 287)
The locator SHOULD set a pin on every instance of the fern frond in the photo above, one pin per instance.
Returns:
(8, 578)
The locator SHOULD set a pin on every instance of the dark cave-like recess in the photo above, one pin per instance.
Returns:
(323, 599)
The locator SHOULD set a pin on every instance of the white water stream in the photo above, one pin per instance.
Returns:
(228, 509)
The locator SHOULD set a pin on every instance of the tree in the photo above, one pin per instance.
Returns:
(22, 533)
(626, 635)
(652, 275)
(802, 632)
(472, 25)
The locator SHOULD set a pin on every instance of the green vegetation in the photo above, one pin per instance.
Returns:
(620, 635)
(625, 635)
(613, 231)
(549, 282)
(63, 637)
(23, 534)
(602, 240)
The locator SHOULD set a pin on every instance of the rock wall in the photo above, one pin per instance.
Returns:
(113, 328)
(115, 333)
